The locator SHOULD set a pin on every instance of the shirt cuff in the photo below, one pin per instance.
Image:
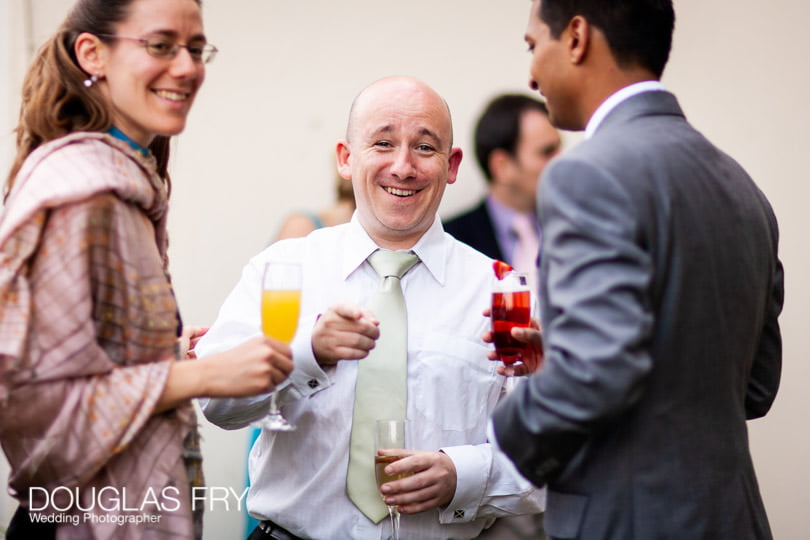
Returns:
(472, 471)
(307, 377)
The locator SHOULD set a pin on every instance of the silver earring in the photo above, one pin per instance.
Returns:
(91, 80)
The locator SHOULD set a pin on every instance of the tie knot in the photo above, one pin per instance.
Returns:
(392, 263)
(523, 226)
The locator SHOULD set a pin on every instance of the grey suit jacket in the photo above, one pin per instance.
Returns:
(660, 291)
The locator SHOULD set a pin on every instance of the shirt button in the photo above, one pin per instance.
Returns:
(313, 383)
(458, 514)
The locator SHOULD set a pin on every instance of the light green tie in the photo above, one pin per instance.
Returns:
(382, 380)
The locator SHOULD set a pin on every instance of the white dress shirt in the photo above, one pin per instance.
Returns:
(298, 478)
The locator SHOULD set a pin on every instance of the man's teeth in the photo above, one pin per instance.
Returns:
(400, 192)
(174, 96)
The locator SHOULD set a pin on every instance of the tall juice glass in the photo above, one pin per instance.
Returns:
(281, 306)
(280, 310)
(511, 307)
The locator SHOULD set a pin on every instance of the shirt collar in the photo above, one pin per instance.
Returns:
(431, 248)
(613, 101)
(503, 217)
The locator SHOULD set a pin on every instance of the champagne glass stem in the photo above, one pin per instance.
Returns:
(274, 410)
(394, 513)
(274, 420)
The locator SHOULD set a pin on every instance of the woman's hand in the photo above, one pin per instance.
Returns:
(191, 335)
(255, 367)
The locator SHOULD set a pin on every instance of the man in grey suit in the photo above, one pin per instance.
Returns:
(660, 288)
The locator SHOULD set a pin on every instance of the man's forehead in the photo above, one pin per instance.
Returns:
(420, 129)
(403, 106)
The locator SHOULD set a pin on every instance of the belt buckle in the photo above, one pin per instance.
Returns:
(273, 531)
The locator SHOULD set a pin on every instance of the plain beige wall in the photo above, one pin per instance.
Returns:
(260, 140)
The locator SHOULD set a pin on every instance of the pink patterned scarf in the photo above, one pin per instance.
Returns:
(87, 335)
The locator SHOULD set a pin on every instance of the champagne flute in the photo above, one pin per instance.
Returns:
(511, 307)
(281, 305)
(389, 434)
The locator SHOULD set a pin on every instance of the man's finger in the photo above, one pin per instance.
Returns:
(348, 311)
(527, 335)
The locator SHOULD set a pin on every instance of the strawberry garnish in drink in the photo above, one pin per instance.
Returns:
(501, 268)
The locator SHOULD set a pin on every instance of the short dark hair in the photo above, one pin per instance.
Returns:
(637, 31)
(499, 126)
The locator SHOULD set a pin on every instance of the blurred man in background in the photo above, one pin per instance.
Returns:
(514, 141)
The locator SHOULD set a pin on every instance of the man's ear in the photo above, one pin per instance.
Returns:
(579, 39)
(454, 161)
(342, 152)
(91, 53)
(500, 162)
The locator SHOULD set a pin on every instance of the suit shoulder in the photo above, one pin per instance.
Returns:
(462, 221)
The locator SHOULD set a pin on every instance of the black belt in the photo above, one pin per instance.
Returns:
(276, 532)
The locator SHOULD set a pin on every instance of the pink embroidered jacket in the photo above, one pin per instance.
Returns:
(88, 327)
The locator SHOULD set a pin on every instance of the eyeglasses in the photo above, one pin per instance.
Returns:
(166, 49)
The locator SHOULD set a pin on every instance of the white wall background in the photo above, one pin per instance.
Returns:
(260, 140)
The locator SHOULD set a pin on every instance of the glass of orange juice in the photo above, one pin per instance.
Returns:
(281, 306)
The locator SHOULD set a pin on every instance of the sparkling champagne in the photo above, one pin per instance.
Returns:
(380, 462)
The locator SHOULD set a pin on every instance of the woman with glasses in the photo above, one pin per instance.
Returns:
(96, 371)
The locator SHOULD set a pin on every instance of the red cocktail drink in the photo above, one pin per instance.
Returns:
(510, 309)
